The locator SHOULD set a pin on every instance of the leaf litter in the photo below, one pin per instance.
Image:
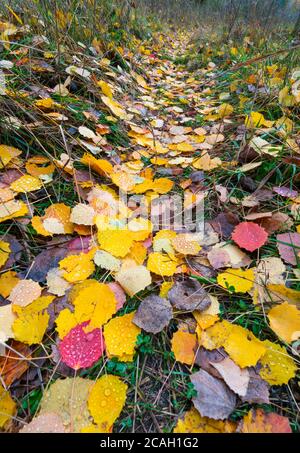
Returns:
(224, 304)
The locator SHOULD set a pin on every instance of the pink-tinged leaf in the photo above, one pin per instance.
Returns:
(285, 192)
(79, 349)
(249, 236)
(81, 244)
(288, 245)
(119, 294)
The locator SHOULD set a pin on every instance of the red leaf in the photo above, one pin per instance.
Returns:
(249, 236)
(79, 349)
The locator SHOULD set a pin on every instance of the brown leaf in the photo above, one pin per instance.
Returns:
(278, 222)
(153, 314)
(224, 224)
(12, 366)
(214, 399)
(258, 389)
(206, 359)
(189, 295)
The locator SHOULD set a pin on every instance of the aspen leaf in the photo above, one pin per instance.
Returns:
(184, 346)
(120, 336)
(106, 399)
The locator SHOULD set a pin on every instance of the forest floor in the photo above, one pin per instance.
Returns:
(115, 317)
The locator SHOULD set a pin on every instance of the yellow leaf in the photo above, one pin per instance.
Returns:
(185, 244)
(46, 103)
(65, 321)
(120, 335)
(116, 242)
(224, 110)
(193, 422)
(285, 321)
(77, 267)
(115, 107)
(277, 366)
(161, 264)
(7, 153)
(4, 252)
(241, 345)
(105, 88)
(8, 407)
(39, 166)
(106, 399)
(165, 288)
(256, 119)
(94, 302)
(7, 318)
(237, 280)
(30, 328)
(8, 281)
(26, 183)
(208, 317)
(12, 209)
(100, 166)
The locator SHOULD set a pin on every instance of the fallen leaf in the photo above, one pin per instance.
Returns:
(120, 336)
(249, 236)
(288, 245)
(189, 295)
(214, 399)
(258, 421)
(68, 399)
(153, 314)
(7, 407)
(106, 399)
(192, 422)
(80, 349)
(44, 423)
(236, 378)
(134, 279)
(184, 346)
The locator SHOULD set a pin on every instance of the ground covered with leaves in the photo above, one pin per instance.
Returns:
(116, 319)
